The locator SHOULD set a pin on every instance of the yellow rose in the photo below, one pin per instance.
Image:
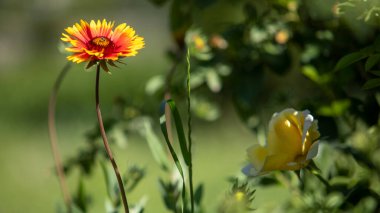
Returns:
(291, 142)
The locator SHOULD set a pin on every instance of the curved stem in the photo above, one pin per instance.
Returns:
(106, 144)
(53, 137)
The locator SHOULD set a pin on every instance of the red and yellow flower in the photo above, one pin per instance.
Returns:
(98, 41)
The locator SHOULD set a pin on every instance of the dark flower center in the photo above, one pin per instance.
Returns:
(101, 41)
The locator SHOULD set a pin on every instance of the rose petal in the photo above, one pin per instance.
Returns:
(257, 155)
(313, 151)
(307, 124)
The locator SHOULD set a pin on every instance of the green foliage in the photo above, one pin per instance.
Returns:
(265, 56)
(182, 142)
(370, 84)
(312, 73)
(81, 199)
(171, 193)
(351, 58)
(337, 108)
(180, 132)
(155, 145)
(372, 55)
(130, 180)
(368, 10)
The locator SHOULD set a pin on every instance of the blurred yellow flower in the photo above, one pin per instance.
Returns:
(98, 41)
(282, 37)
(292, 141)
(199, 42)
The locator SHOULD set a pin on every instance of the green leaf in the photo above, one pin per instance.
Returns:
(179, 127)
(132, 178)
(198, 194)
(213, 81)
(62, 208)
(358, 155)
(336, 108)
(154, 84)
(346, 4)
(80, 200)
(111, 184)
(311, 52)
(205, 109)
(372, 61)
(155, 145)
(375, 72)
(170, 194)
(110, 62)
(75, 209)
(349, 59)
(90, 64)
(313, 167)
(311, 72)
(103, 64)
(370, 84)
(317, 173)
(197, 78)
(181, 138)
(140, 206)
(376, 44)
(223, 69)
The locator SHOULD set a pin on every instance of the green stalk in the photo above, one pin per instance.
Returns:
(189, 132)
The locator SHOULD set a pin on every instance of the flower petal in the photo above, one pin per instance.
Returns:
(97, 41)
(292, 142)
(284, 134)
(276, 162)
(308, 120)
(257, 155)
(313, 151)
(249, 170)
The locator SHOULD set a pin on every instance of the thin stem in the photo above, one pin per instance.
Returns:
(189, 131)
(54, 140)
(106, 144)
(322, 179)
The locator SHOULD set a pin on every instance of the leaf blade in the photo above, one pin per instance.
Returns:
(180, 131)
(371, 62)
(349, 59)
(372, 83)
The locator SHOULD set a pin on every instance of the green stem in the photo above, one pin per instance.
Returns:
(322, 179)
(53, 137)
(106, 144)
(189, 132)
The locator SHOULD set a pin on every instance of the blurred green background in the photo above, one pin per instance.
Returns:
(30, 62)
(281, 53)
